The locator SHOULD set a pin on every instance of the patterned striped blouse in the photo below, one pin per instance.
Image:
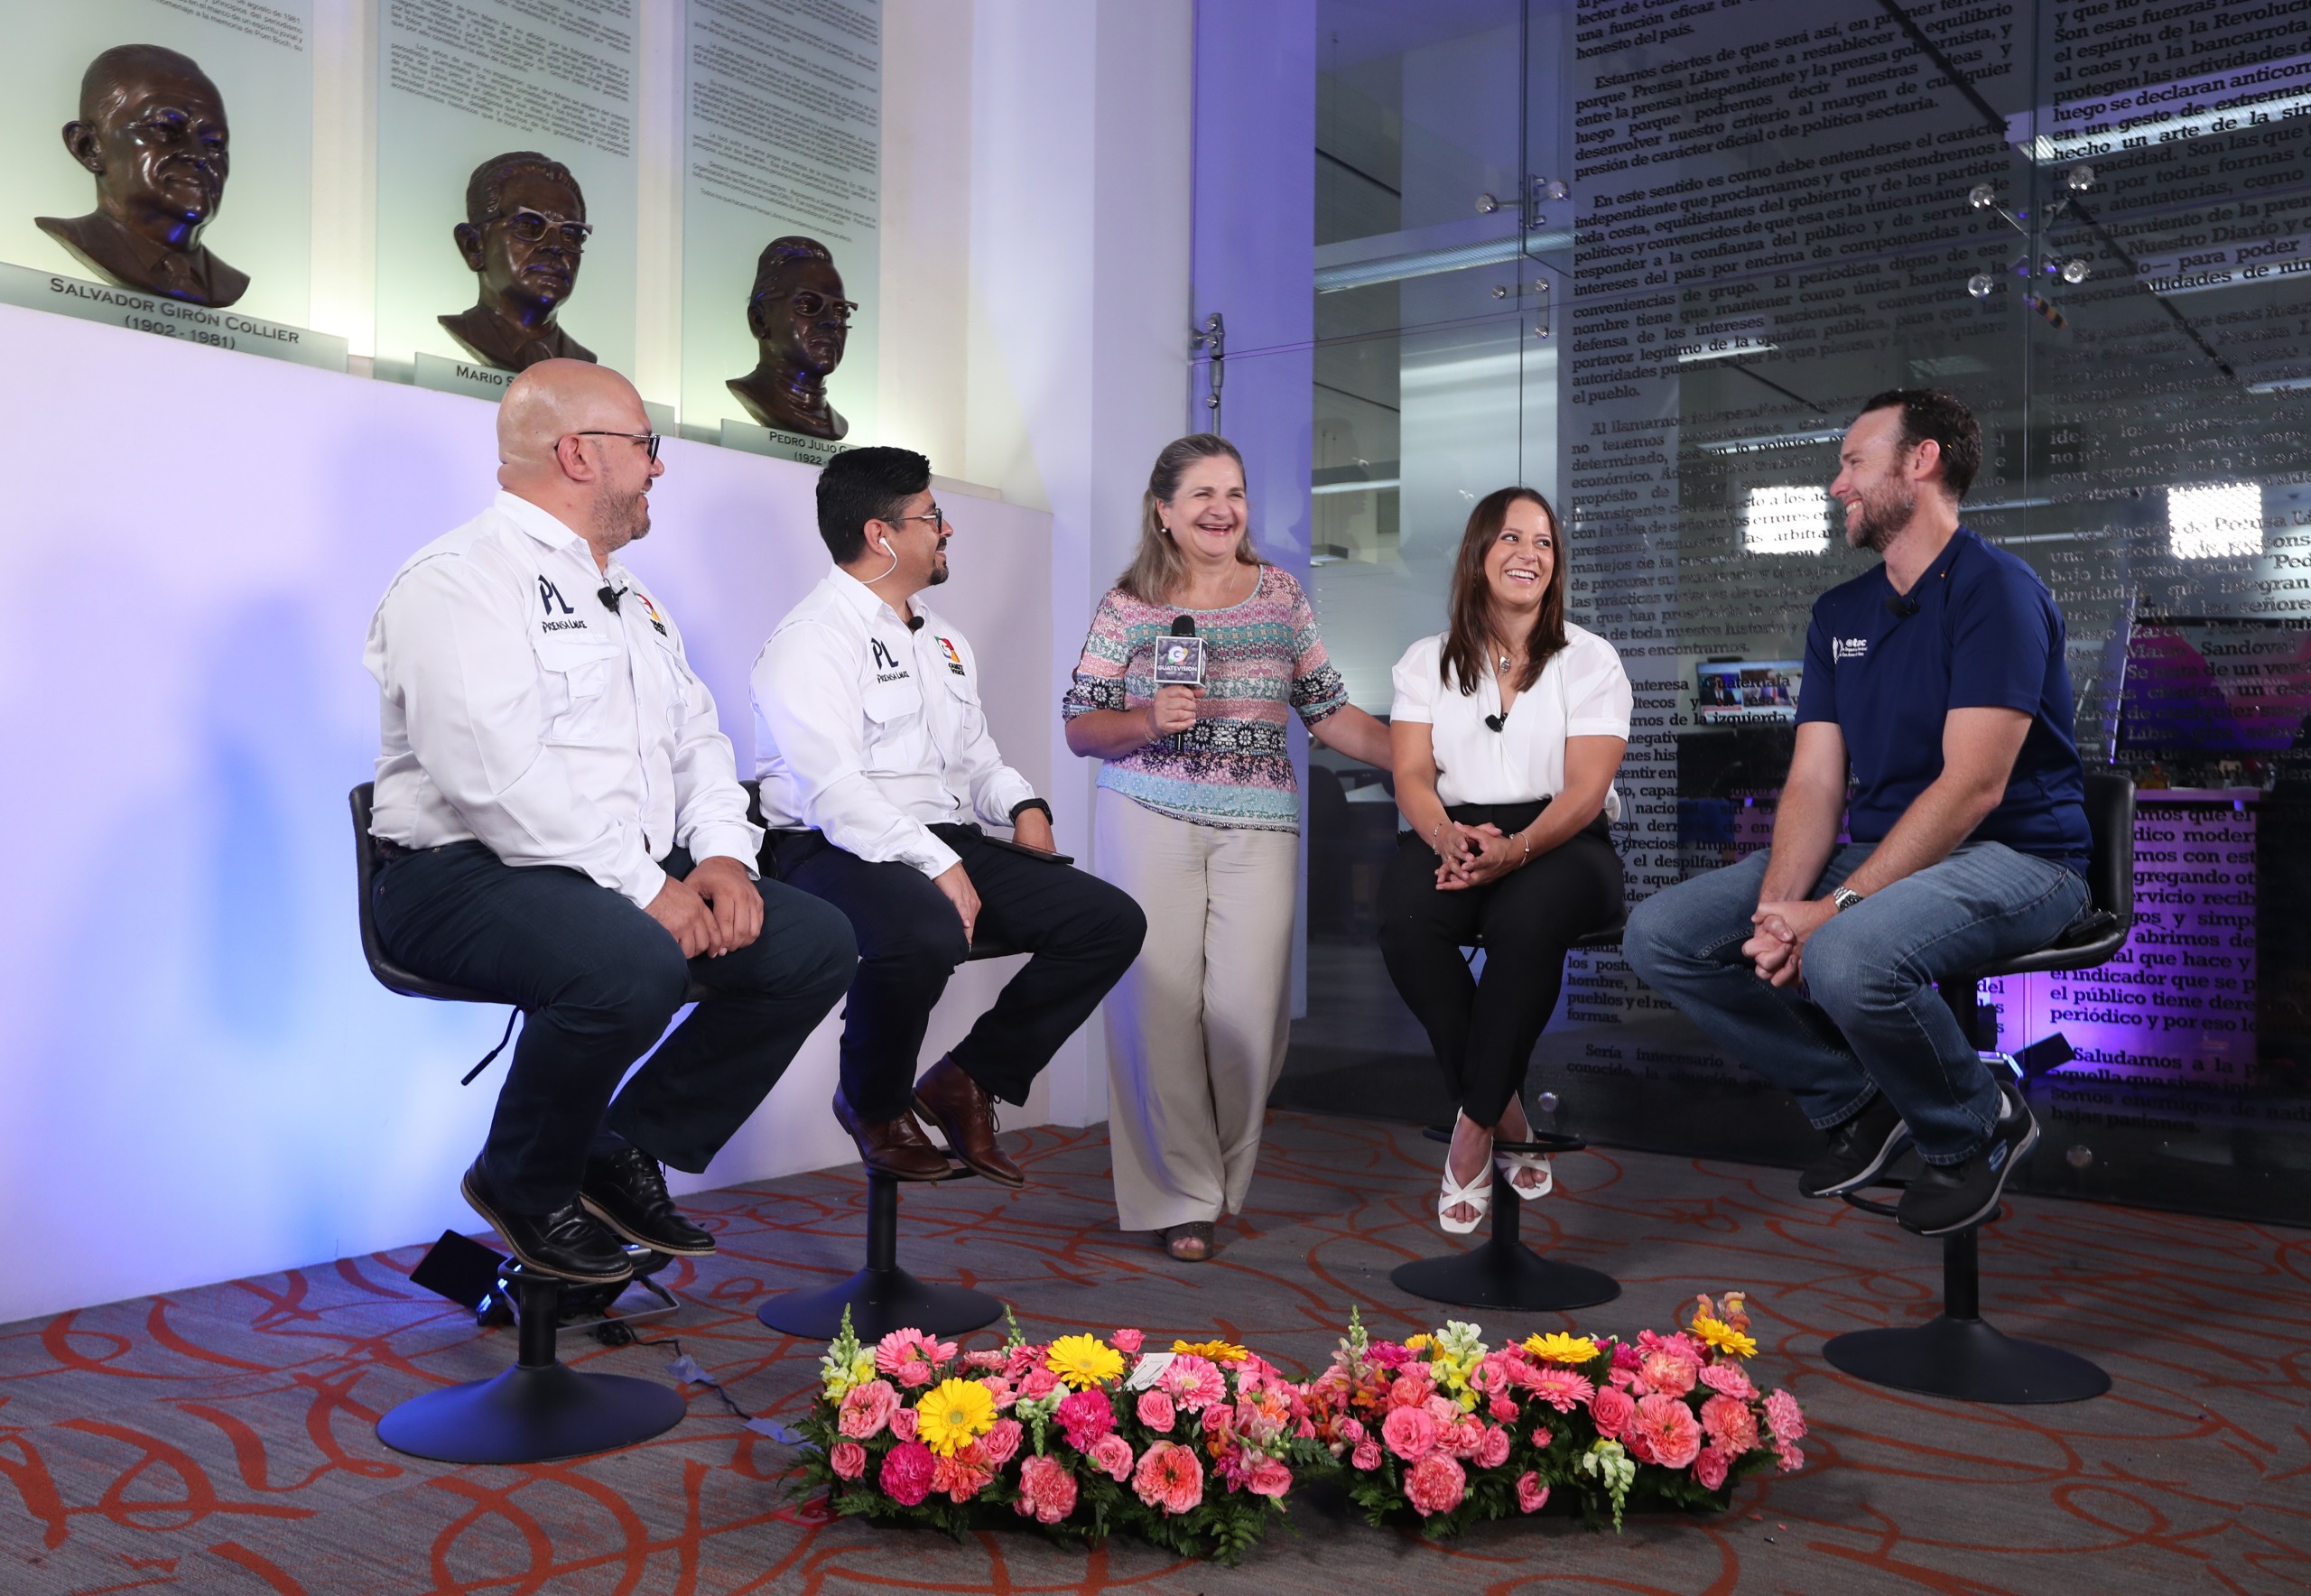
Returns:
(1261, 658)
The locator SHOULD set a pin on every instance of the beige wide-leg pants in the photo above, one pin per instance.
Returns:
(1197, 1027)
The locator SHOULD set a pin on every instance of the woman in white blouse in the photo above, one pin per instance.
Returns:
(1507, 730)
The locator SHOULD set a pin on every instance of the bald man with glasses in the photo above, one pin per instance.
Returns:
(563, 825)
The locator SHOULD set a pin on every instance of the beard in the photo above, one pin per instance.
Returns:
(623, 519)
(1885, 511)
(938, 569)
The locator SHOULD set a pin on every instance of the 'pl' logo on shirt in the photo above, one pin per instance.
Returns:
(1849, 648)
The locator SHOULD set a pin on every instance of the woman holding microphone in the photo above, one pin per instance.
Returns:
(1198, 818)
(1508, 729)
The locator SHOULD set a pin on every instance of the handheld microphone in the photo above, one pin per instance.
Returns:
(1179, 662)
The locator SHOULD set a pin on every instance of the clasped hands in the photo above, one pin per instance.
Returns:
(1470, 856)
(1784, 926)
(714, 910)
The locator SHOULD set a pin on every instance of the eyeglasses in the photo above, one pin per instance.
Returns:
(935, 516)
(810, 304)
(649, 440)
(531, 225)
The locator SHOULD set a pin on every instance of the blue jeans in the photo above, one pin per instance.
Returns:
(1867, 1019)
(598, 979)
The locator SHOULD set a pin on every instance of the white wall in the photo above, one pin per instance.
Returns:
(199, 1079)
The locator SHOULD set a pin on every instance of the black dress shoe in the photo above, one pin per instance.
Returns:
(1950, 1197)
(627, 1191)
(1858, 1150)
(566, 1243)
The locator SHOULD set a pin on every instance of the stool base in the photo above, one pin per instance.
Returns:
(531, 1416)
(1968, 1359)
(880, 1300)
(1512, 1276)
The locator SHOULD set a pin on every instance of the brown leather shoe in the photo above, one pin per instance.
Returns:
(967, 1114)
(896, 1147)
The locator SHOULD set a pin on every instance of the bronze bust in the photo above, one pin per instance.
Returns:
(524, 235)
(151, 128)
(801, 321)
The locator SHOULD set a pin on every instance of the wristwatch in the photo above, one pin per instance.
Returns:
(1845, 898)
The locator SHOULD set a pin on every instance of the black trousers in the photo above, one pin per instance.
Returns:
(1083, 934)
(599, 980)
(1484, 1029)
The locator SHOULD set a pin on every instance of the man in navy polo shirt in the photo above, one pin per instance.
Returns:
(1938, 680)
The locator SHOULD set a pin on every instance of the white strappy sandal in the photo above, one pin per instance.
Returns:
(1514, 1164)
(1477, 1195)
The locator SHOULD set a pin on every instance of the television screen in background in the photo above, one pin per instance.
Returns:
(1746, 692)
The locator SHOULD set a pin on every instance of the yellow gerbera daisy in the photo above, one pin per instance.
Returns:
(1721, 1337)
(1083, 1360)
(1218, 1352)
(1414, 1343)
(952, 1414)
(1556, 1347)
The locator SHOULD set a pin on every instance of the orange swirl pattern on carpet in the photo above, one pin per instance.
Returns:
(220, 1441)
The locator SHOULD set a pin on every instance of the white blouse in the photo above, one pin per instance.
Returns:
(1583, 691)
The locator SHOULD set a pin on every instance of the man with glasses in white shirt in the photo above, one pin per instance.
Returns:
(563, 825)
(877, 772)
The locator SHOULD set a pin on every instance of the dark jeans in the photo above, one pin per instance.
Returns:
(598, 980)
(1083, 934)
(1865, 1017)
(1484, 1030)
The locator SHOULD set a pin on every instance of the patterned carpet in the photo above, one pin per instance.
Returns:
(220, 1441)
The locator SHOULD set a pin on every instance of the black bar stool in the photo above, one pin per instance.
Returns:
(539, 1409)
(883, 1297)
(1957, 1352)
(1501, 1271)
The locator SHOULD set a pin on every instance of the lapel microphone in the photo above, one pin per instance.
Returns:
(1902, 604)
(610, 597)
(1495, 721)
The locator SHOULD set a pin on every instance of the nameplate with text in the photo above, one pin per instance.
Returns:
(470, 377)
(784, 446)
(166, 318)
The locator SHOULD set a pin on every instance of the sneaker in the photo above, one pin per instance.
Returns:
(1950, 1197)
(1859, 1151)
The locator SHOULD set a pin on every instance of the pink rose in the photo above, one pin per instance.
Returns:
(1410, 1433)
(1269, 1478)
(1728, 1379)
(1084, 1417)
(1532, 1495)
(1001, 1444)
(1037, 1383)
(1435, 1484)
(1443, 1410)
(1128, 1342)
(987, 1359)
(1731, 1425)
(1111, 1453)
(1710, 1468)
(1783, 1417)
(867, 1409)
(1492, 1451)
(1792, 1460)
(1461, 1437)
(1367, 1456)
(915, 1374)
(1000, 1390)
(1156, 1411)
(848, 1459)
(1669, 1430)
(1352, 1431)
(1611, 1409)
(1169, 1477)
(1665, 1372)
(902, 1423)
(1541, 1438)
(1502, 1409)
(907, 1469)
(1410, 1390)
(1046, 1490)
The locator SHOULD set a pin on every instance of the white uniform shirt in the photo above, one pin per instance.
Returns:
(518, 709)
(1583, 691)
(870, 732)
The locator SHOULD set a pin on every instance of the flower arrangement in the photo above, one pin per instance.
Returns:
(1195, 1449)
(1459, 1432)
(1192, 1448)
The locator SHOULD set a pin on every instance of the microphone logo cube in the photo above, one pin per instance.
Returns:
(1179, 661)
